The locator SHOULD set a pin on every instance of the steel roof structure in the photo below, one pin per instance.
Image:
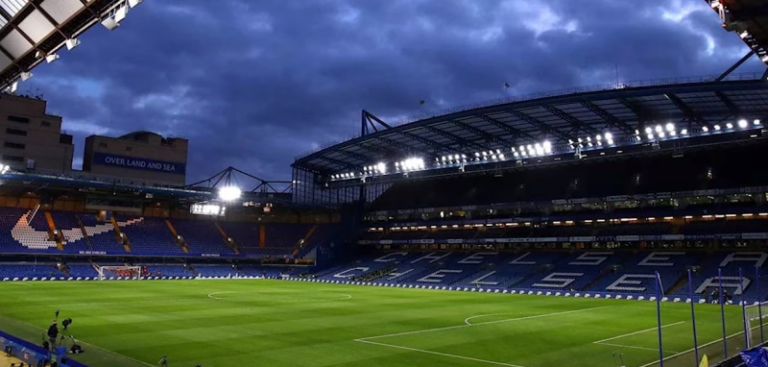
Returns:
(33, 30)
(747, 18)
(555, 117)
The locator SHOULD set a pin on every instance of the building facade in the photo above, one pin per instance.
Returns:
(141, 157)
(32, 140)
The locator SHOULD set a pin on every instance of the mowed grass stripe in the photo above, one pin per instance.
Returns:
(294, 324)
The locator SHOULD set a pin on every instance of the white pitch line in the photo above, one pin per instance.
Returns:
(634, 347)
(438, 353)
(344, 296)
(691, 350)
(466, 321)
(483, 323)
(636, 332)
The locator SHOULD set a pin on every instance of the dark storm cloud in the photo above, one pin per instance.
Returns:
(253, 84)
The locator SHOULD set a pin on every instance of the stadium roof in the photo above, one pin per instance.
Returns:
(31, 31)
(748, 19)
(554, 117)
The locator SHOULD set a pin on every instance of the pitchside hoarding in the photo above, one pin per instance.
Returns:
(142, 164)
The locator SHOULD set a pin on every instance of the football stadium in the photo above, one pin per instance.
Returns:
(611, 225)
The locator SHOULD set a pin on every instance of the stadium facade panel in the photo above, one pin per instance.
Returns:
(145, 157)
(32, 139)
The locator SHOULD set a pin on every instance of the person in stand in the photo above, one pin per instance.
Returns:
(163, 361)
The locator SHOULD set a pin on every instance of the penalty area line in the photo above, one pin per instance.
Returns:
(635, 333)
(437, 353)
(484, 323)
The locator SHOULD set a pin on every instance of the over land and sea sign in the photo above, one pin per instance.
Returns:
(143, 164)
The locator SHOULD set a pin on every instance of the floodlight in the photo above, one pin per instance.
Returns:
(637, 132)
(765, 58)
(522, 148)
(684, 131)
(705, 129)
(717, 127)
(598, 137)
(230, 193)
(457, 157)
(661, 134)
(121, 13)
(501, 156)
(72, 43)
(756, 122)
(517, 154)
(743, 123)
(670, 126)
(51, 58)
(25, 76)
(609, 136)
(589, 138)
(13, 87)
(110, 24)
(570, 141)
(477, 154)
(672, 133)
(134, 3)
(464, 156)
(382, 167)
(610, 141)
(650, 136)
(638, 138)
(548, 146)
(493, 157)
(729, 125)
(658, 128)
(498, 151)
(648, 130)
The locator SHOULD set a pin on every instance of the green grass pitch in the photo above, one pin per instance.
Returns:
(222, 323)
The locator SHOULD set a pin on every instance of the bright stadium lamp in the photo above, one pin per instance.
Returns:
(51, 58)
(26, 76)
(134, 3)
(717, 127)
(382, 168)
(670, 127)
(705, 129)
(229, 193)
(756, 122)
(729, 125)
(743, 123)
(548, 147)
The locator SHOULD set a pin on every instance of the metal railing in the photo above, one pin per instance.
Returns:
(552, 93)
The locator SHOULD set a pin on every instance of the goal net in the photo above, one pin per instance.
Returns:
(121, 272)
(755, 317)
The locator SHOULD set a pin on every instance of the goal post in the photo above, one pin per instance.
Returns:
(124, 272)
(755, 319)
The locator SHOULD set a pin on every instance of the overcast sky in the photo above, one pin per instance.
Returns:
(253, 84)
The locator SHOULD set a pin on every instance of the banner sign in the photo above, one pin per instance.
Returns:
(625, 238)
(142, 164)
(617, 198)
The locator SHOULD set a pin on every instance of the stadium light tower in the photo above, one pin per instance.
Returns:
(230, 193)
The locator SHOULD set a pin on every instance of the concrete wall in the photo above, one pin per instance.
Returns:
(31, 138)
